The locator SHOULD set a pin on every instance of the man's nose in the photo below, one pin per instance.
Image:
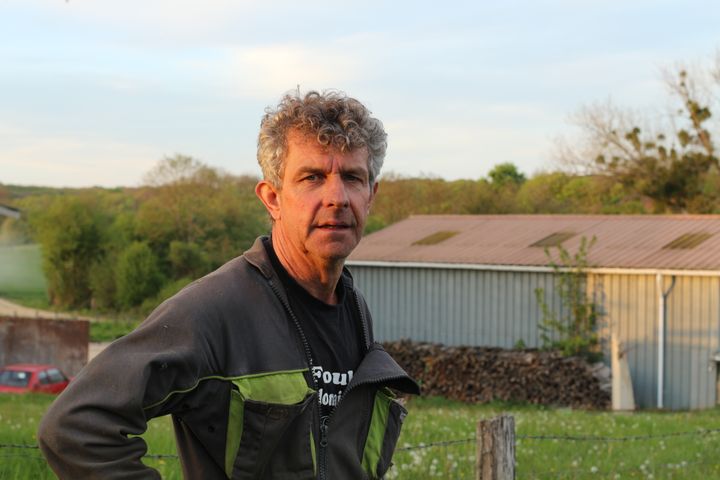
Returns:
(336, 194)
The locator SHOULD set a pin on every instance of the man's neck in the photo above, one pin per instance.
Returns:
(320, 280)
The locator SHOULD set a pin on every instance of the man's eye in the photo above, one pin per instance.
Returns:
(311, 178)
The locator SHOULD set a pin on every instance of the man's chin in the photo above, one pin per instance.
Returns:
(335, 251)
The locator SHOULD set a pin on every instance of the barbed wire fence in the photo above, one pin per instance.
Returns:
(621, 470)
(31, 452)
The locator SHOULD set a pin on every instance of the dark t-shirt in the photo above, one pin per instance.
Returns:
(333, 333)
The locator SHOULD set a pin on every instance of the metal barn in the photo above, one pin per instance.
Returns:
(8, 211)
(471, 280)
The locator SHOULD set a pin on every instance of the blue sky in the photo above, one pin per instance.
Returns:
(96, 92)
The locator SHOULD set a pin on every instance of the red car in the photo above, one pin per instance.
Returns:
(30, 377)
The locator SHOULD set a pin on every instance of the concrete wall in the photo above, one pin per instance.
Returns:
(37, 340)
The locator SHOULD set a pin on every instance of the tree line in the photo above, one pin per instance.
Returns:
(129, 248)
(117, 249)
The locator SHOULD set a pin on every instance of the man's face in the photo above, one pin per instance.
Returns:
(321, 207)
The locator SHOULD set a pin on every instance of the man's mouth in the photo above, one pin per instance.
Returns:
(334, 226)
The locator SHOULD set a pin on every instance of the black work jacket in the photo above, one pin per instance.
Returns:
(227, 359)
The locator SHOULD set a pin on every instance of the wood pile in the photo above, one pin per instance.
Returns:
(484, 374)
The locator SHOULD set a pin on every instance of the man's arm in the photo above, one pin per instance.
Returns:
(86, 431)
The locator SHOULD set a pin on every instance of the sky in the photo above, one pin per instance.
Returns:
(97, 92)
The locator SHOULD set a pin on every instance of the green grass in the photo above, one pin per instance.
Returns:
(21, 276)
(437, 420)
(19, 418)
(687, 457)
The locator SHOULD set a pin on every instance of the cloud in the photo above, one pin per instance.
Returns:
(28, 158)
(263, 72)
(179, 19)
(627, 74)
(461, 149)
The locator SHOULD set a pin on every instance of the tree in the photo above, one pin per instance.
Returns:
(177, 205)
(187, 260)
(101, 279)
(137, 275)
(189, 202)
(505, 181)
(70, 234)
(561, 192)
(506, 173)
(673, 163)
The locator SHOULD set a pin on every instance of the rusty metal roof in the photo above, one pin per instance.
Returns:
(689, 242)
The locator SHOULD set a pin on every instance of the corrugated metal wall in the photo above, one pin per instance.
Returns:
(630, 307)
(497, 308)
(692, 325)
(455, 307)
(692, 321)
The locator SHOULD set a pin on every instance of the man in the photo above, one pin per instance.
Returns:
(267, 365)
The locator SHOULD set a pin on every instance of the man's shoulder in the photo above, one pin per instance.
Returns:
(231, 279)
(233, 285)
(233, 275)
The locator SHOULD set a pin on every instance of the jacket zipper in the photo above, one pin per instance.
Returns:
(324, 426)
(324, 421)
(366, 335)
(296, 322)
(322, 455)
(322, 451)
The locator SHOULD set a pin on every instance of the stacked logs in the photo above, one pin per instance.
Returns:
(482, 374)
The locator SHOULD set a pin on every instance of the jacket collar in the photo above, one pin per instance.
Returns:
(257, 256)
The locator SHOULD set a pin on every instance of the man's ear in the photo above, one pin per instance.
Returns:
(268, 195)
(373, 192)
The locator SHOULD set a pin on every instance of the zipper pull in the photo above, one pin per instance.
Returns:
(323, 431)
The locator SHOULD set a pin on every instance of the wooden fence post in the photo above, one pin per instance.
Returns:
(495, 458)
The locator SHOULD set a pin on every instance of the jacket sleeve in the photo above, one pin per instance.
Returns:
(90, 430)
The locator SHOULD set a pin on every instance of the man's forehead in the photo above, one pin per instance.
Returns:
(308, 141)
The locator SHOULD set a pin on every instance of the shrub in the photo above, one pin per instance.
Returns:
(70, 233)
(187, 260)
(574, 332)
(102, 284)
(137, 275)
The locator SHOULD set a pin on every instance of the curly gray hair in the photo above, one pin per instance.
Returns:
(332, 118)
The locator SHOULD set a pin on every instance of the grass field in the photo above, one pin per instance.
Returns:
(21, 276)
(657, 445)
